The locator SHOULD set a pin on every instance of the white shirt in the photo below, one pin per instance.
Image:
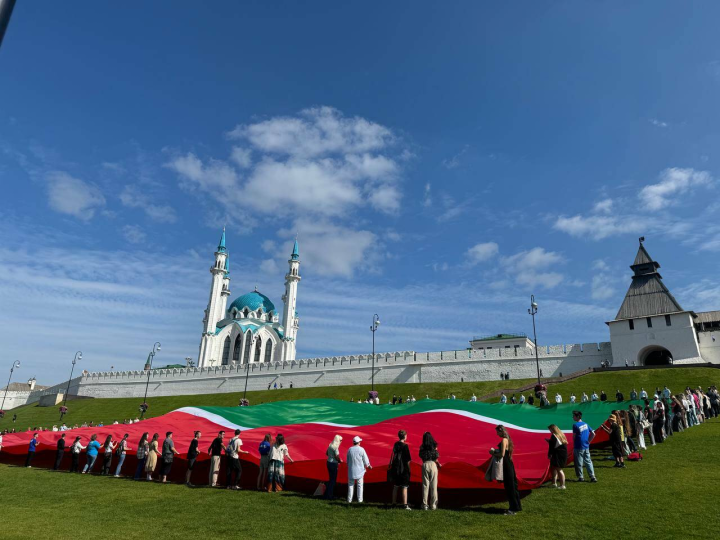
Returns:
(503, 399)
(522, 398)
(233, 447)
(572, 398)
(584, 398)
(474, 398)
(594, 396)
(558, 398)
(357, 461)
(63, 428)
(643, 395)
(278, 453)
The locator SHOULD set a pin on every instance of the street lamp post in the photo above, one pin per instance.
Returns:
(78, 356)
(16, 364)
(148, 367)
(373, 329)
(532, 311)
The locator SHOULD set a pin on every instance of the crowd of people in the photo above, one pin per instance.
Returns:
(668, 414)
(691, 399)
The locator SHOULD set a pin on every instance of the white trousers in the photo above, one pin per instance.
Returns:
(351, 489)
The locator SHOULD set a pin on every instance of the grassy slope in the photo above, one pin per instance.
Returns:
(610, 381)
(108, 410)
(669, 494)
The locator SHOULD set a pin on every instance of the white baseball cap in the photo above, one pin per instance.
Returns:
(356, 439)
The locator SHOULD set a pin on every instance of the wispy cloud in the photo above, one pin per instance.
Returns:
(454, 161)
(72, 196)
(658, 123)
(673, 182)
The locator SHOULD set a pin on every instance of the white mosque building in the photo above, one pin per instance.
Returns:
(251, 329)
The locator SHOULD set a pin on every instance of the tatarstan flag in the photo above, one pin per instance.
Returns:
(465, 432)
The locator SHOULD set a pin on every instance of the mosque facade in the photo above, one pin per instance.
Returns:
(251, 330)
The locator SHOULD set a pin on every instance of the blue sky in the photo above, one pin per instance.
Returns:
(439, 164)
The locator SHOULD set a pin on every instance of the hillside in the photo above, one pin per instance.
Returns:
(108, 410)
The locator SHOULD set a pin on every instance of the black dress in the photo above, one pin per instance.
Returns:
(557, 452)
(400, 468)
(510, 483)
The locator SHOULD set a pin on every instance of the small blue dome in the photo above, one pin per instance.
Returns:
(252, 301)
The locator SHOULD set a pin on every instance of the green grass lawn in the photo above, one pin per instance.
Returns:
(669, 494)
(110, 409)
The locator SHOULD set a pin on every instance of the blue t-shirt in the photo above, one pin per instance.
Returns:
(581, 435)
(33, 444)
(264, 448)
(93, 447)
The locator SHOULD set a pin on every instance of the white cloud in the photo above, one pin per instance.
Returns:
(602, 287)
(69, 195)
(600, 265)
(658, 123)
(427, 197)
(330, 249)
(481, 252)
(133, 197)
(604, 206)
(599, 227)
(454, 161)
(318, 162)
(315, 132)
(269, 266)
(114, 167)
(241, 156)
(134, 234)
(673, 182)
(534, 267)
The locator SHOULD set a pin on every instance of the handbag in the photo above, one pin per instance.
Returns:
(494, 470)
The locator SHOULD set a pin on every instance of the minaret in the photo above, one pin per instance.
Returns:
(222, 306)
(217, 300)
(290, 319)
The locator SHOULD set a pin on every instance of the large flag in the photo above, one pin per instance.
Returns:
(465, 432)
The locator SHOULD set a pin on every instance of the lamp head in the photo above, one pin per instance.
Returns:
(79, 356)
(159, 347)
(377, 322)
(16, 364)
(533, 305)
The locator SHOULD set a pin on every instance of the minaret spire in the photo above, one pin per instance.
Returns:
(221, 245)
(290, 320)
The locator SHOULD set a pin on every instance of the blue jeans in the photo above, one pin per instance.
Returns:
(582, 457)
(332, 478)
(120, 464)
(90, 462)
(140, 469)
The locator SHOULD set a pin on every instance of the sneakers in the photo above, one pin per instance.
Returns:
(593, 480)
(407, 507)
(555, 485)
(561, 487)
(580, 479)
(509, 513)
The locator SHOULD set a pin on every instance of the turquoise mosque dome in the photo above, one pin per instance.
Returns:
(253, 301)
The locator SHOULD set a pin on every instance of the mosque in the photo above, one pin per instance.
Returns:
(251, 329)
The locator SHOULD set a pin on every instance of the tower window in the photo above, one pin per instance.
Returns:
(668, 322)
(632, 324)
(649, 321)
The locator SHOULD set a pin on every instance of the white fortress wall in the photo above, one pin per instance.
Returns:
(17, 399)
(399, 367)
(709, 343)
